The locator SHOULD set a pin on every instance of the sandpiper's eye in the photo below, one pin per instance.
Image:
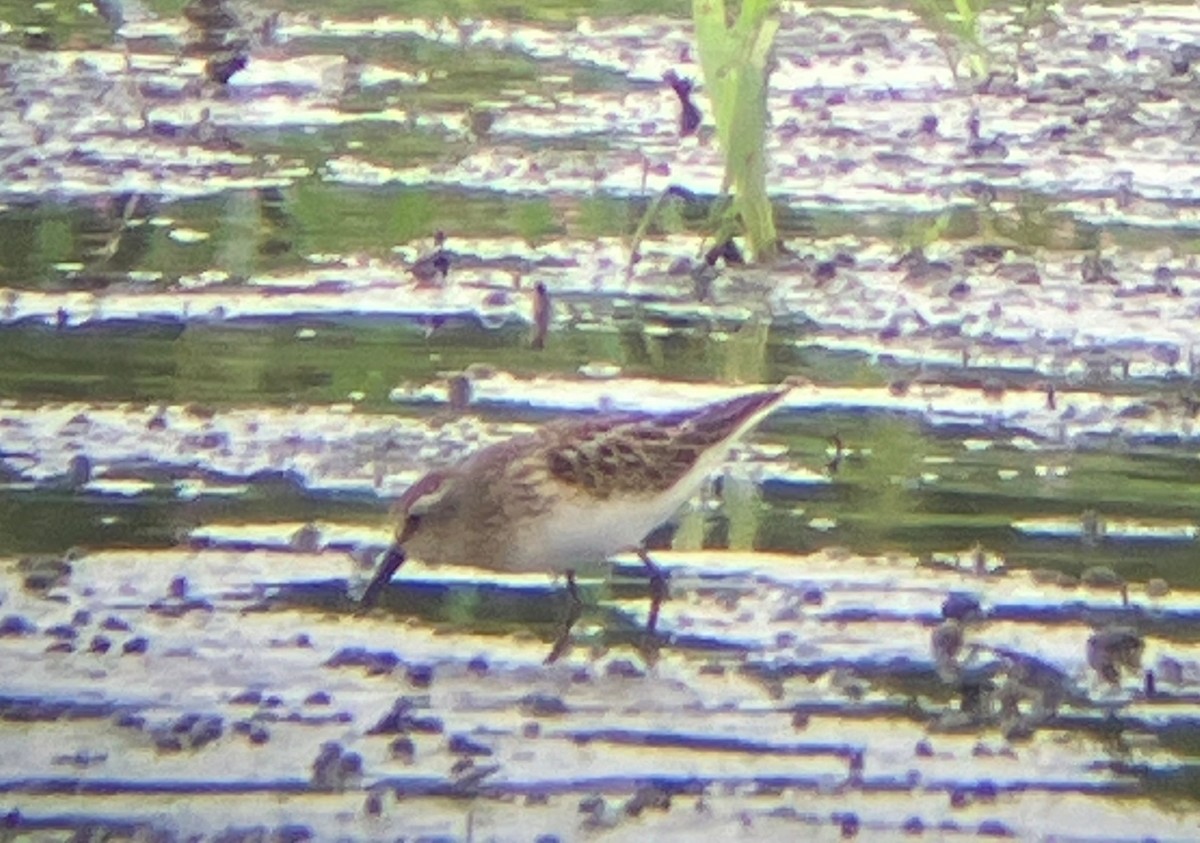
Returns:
(411, 523)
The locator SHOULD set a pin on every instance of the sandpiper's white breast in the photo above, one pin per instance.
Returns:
(577, 532)
(582, 529)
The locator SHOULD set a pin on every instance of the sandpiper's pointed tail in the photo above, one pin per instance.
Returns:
(729, 420)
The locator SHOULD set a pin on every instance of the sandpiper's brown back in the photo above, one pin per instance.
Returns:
(645, 453)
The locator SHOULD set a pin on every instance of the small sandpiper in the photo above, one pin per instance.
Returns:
(572, 492)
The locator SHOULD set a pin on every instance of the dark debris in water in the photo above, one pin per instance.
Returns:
(34, 709)
(403, 720)
(190, 731)
(376, 662)
(15, 625)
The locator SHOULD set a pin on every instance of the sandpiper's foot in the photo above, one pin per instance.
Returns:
(574, 610)
(649, 645)
(658, 591)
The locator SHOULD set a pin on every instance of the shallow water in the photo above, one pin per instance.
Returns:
(222, 357)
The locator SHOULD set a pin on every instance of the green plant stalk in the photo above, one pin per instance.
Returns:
(736, 60)
(956, 23)
(968, 17)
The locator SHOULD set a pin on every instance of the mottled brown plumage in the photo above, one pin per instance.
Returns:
(641, 452)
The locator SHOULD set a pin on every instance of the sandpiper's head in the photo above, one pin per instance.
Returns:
(428, 513)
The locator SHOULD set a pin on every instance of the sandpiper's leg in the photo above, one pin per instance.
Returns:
(658, 590)
(574, 609)
(391, 563)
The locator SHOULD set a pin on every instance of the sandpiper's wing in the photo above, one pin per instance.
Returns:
(646, 453)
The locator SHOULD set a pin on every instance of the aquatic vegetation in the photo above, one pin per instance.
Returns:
(956, 24)
(736, 60)
(921, 232)
(1029, 16)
